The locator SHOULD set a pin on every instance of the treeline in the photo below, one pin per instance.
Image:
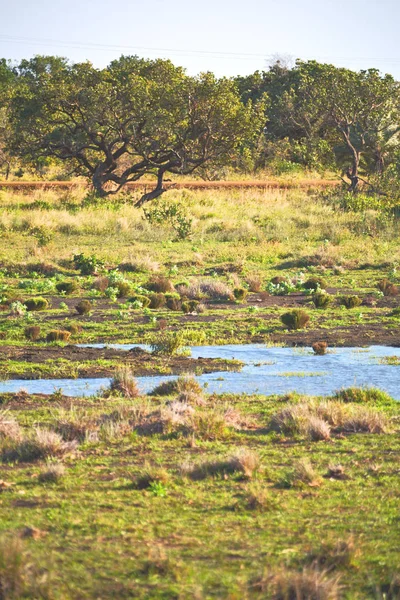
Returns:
(138, 117)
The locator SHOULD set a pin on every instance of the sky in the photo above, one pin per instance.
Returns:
(228, 37)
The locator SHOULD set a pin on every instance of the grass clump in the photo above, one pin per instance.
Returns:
(216, 290)
(302, 473)
(244, 461)
(320, 348)
(314, 284)
(32, 333)
(321, 300)
(295, 319)
(387, 287)
(254, 283)
(36, 304)
(9, 427)
(308, 584)
(53, 472)
(240, 294)
(84, 307)
(140, 301)
(361, 395)
(160, 284)
(66, 287)
(157, 300)
(42, 443)
(125, 383)
(58, 335)
(351, 301)
(151, 475)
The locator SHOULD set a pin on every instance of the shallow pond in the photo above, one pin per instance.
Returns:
(267, 370)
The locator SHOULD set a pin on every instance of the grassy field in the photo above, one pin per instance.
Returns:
(189, 495)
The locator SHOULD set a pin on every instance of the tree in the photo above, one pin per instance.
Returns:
(6, 82)
(362, 107)
(133, 118)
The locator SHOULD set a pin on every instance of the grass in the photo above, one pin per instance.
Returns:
(180, 494)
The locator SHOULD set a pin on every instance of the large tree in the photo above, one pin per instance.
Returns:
(6, 83)
(133, 118)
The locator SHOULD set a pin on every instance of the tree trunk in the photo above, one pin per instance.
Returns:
(98, 184)
(158, 191)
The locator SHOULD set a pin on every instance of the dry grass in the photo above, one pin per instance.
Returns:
(309, 584)
(52, 472)
(9, 427)
(254, 282)
(125, 383)
(41, 444)
(244, 461)
(258, 497)
(149, 475)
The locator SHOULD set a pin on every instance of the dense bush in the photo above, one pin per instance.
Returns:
(84, 307)
(321, 300)
(34, 304)
(157, 300)
(32, 333)
(66, 287)
(388, 288)
(174, 303)
(295, 319)
(350, 301)
(160, 284)
(314, 284)
(189, 306)
(87, 265)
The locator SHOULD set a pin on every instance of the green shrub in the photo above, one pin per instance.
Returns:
(87, 265)
(168, 343)
(281, 288)
(32, 333)
(172, 214)
(58, 335)
(240, 294)
(84, 307)
(350, 301)
(34, 304)
(157, 300)
(73, 328)
(295, 319)
(315, 284)
(66, 287)
(321, 300)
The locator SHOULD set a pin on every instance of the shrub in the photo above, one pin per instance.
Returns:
(321, 300)
(123, 288)
(168, 343)
(125, 382)
(88, 265)
(101, 284)
(314, 283)
(208, 424)
(66, 287)
(184, 384)
(362, 395)
(157, 300)
(140, 301)
(36, 304)
(84, 307)
(173, 214)
(254, 282)
(174, 304)
(295, 319)
(320, 348)
(216, 290)
(240, 294)
(160, 284)
(388, 288)
(32, 333)
(317, 429)
(58, 335)
(350, 301)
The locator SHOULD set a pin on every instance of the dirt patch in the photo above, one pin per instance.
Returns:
(140, 361)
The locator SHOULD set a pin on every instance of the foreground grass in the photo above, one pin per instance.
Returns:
(215, 512)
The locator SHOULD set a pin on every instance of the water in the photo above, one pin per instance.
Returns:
(267, 370)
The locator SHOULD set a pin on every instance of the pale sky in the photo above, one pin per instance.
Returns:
(228, 37)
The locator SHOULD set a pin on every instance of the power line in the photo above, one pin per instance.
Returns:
(181, 52)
